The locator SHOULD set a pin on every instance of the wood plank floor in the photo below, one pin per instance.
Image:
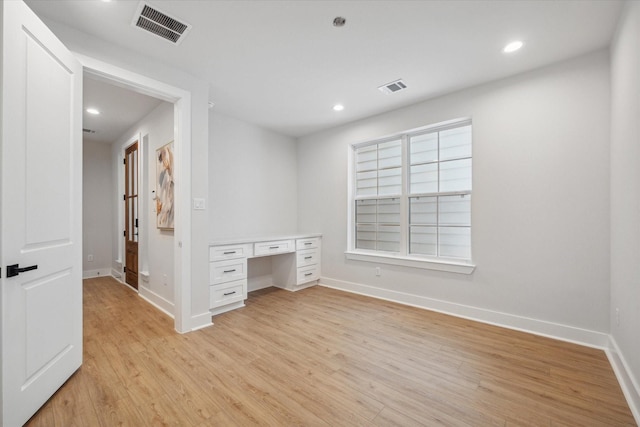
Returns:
(321, 357)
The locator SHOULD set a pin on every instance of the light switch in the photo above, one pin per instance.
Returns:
(198, 204)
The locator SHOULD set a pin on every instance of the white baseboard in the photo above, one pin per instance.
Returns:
(88, 274)
(628, 383)
(201, 321)
(571, 334)
(116, 274)
(156, 300)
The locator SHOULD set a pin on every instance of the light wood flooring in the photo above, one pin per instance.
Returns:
(321, 357)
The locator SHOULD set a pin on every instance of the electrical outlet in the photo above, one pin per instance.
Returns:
(617, 316)
(377, 271)
(90, 258)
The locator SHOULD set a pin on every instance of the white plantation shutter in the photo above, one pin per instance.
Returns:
(440, 193)
(428, 215)
(378, 177)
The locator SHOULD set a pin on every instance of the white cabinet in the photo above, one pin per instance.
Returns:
(227, 270)
(227, 277)
(307, 261)
(274, 247)
(307, 274)
(310, 243)
(295, 265)
(299, 271)
(217, 253)
(228, 293)
(307, 257)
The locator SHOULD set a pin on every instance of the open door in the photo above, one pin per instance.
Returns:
(40, 214)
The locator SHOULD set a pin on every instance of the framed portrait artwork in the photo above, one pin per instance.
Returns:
(164, 187)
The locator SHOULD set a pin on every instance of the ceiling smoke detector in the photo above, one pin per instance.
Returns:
(393, 87)
(159, 23)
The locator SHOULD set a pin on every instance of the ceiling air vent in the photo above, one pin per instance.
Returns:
(393, 87)
(151, 19)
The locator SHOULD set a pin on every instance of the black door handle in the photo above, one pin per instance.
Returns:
(14, 270)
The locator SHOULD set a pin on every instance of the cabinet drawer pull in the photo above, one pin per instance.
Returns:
(308, 257)
(229, 271)
(274, 247)
(308, 274)
(308, 243)
(229, 252)
(229, 293)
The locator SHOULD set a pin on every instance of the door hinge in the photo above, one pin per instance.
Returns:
(124, 161)
(136, 222)
(125, 269)
(124, 197)
(124, 233)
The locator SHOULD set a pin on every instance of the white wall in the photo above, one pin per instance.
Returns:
(156, 246)
(253, 186)
(625, 197)
(97, 207)
(253, 180)
(540, 202)
(194, 240)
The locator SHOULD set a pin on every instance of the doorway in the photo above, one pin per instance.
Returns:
(120, 171)
(180, 101)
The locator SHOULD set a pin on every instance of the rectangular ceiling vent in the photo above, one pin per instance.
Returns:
(393, 87)
(151, 19)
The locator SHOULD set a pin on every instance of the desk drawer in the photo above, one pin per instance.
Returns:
(227, 293)
(308, 274)
(228, 270)
(275, 247)
(307, 257)
(217, 253)
(310, 243)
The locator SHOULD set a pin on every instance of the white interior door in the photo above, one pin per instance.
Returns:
(41, 213)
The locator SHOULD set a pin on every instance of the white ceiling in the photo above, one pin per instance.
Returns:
(119, 110)
(282, 65)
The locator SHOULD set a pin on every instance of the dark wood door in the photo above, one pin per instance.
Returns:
(131, 214)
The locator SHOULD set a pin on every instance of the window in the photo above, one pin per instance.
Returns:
(378, 192)
(412, 195)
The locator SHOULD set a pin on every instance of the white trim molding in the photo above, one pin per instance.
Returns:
(156, 300)
(558, 331)
(100, 272)
(201, 321)
(439, 265)
(628, 383)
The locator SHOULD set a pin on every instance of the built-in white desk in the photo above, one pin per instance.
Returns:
(228, 266)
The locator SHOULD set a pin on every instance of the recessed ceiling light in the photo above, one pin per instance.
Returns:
(93, 111)
(513, 46)
(338, 107)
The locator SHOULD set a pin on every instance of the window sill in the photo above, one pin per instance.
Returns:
(405, 261)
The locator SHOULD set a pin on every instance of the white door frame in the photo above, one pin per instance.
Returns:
(181, 99)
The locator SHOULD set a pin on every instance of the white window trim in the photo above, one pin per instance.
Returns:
(411, 261)
(441, 264)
